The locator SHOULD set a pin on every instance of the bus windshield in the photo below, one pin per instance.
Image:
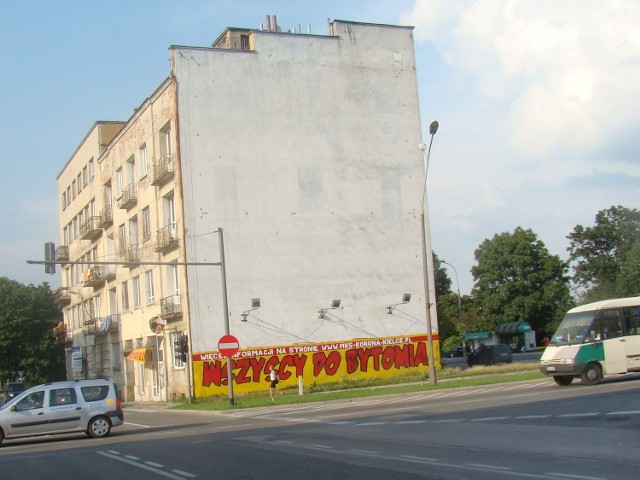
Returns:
(574, 328)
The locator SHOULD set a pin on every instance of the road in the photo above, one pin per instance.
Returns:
(533, 430)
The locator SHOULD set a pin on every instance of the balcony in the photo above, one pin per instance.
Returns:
(97, 276)
(110, 324)
(90, 326)
(131, 255)
(106, 217)
(62, 296)
(129, 196)
(62, 334)
(167, 238)
(90, 229)
(62, 253)
(171, 307)
(163, 170)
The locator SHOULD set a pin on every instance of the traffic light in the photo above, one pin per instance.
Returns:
(182, 348)
(50, 256)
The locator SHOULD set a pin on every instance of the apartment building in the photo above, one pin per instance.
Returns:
(303, 150)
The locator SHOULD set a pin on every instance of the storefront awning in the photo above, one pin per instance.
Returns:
(513, 327)
(137, 355)
(476, 335)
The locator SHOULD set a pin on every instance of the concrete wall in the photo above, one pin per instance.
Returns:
(304, 151)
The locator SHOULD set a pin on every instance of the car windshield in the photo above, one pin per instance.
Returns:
(574, 329)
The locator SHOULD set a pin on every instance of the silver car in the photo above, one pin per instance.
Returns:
(91, 406)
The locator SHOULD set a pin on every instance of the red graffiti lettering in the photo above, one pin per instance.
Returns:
(329, 363)
(211, 373)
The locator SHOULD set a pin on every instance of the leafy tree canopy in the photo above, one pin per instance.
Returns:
(517, 279)
(27, 317)
(606, 257)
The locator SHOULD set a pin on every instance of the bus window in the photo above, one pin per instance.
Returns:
(632, 320)
(610, 322)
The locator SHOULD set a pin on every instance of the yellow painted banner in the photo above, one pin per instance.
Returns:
(316, 363)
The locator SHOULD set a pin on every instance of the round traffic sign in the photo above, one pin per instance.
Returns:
(228, 345)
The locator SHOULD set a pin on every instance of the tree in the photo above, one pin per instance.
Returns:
(606, 256)
(517, 279)
(27, 317)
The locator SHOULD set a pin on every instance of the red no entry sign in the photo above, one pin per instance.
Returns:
(228, 345)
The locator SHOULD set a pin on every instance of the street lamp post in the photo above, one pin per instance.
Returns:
(464, 347)
(426, 253)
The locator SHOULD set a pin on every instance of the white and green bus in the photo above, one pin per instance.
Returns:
(594, 340)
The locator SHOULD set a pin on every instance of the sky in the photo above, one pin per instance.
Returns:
(538, 104)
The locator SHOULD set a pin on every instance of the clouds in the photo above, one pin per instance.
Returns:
(566, 72)
(539, 110)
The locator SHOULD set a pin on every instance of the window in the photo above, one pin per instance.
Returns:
(122, 239)
(148, 280)
(62, 396)
(95, 393)
(131, 169)
(79, 182)
(125, 296)
(175, 338)
(119, 182)
(135, 285)
(91, 169)
(632, 320)
(133, 231)
(165, 140)
(68, 195)
(64, 200)
(31, 401)
(142, 161)
(146, 224)
(85, 176)
(73, 189)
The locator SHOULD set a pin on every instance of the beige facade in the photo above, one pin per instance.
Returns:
(303, 149)
(120, 204)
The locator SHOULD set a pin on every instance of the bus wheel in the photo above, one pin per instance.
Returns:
(592, 374)
(563, 380)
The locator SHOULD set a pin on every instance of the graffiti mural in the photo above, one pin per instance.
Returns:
(313, 363)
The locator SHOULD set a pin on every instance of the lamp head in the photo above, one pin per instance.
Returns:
(433, 128)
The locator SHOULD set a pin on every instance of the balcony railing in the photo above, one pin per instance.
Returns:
(90, 229)
(171, 307)
(163, 169)
(167, 238)
(90, 326)
(130, 255)
(62, 296)
(110, 324)
(106, 217)
(96, 276)
(129, 196)
(62, 253)
(62, 334)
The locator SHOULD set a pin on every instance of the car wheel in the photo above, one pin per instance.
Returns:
(1, 436)
(562, 380)
(99, 427)
(592, 374)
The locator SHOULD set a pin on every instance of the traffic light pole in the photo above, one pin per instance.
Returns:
(50, 267)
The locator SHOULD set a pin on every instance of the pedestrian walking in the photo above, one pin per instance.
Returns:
(275, 379)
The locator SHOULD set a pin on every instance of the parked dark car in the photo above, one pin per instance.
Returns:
(11, 389)
(457, 351)
(490, 355)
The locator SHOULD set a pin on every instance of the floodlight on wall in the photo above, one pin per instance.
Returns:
(406, 298)
(334, 305)
(255, 304)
